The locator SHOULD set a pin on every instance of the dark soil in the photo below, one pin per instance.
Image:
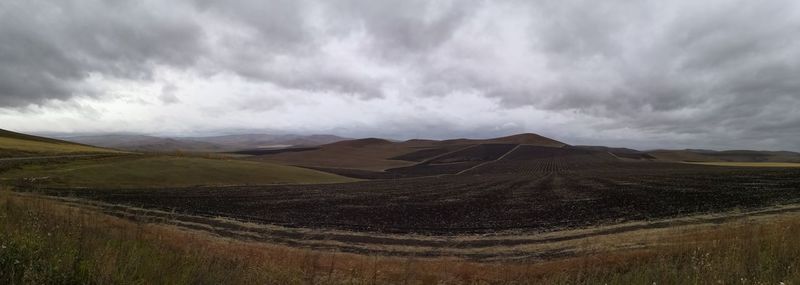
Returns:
(530, 190)
(423, 154)
(273, 151)
(482, 152)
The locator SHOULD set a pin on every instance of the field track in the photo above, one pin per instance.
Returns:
(507, 245)
(540, 195)
(512, 202)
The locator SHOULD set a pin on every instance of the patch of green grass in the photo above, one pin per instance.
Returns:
(166, 171)
(750, 164)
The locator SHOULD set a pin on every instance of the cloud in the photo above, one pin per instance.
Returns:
(49, 48)
(168, 95)
(702, 73)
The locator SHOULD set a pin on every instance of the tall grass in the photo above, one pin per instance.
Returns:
(47, 242)
(744, 253)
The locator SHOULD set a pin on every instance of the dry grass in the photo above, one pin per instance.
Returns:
(41, 147)
(42, 241)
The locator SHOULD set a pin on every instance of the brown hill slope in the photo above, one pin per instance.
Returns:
(14, 144)
(689, 155)
(203, 144)
(368, 154)
(528, 139)
(380, 154)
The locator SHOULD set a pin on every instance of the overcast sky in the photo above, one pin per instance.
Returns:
(644, 74)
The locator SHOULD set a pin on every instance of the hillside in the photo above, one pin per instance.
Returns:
(619, 152)
(14, 144)
(203, 144)
(379, 154)
(528, 139)
(368, 154)
(691, 155)
(167, 171)
(145, 143)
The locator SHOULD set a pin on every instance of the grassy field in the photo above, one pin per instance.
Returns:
(750, 164)
(16, 144)
(12, 145)
(165, 171)
(44, 241)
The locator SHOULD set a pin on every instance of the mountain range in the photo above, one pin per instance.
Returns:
(146, 143)
(367, 153)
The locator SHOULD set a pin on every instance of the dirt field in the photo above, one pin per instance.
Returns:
(480, 202)
(531, 195)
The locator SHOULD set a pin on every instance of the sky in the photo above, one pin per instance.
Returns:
(643, 74)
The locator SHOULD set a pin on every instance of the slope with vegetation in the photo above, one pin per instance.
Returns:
(47, 242)
(146, 143)
(375, 154)
(14, 144)
(164, 171)
(694, 155)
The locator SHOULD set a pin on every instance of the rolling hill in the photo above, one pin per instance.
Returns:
(620, 152)
(526, 139)
(145, 143)
(376, 154)
(166, 171)
(53, 162)
(225, 143)
(367, 154)
(13, 144)
(693, 155)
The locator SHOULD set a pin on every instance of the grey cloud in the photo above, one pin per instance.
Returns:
(49, 48)
(732, 58)
(168, 95)
(396, 32)
(720, 70)
(279, 25)
(403, 27)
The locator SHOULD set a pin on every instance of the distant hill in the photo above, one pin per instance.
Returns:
(694, 155)
(144, 143)
(619, 152)
(528, 139)
(380, 154)
(360, 143)
(203, 144)
(375, 154)
(14, 144)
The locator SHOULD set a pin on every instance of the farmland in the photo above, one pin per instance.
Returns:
(751, 164)
(552, 195)
(464, 203)
(41, 235)
(162, 171)
(525, 193)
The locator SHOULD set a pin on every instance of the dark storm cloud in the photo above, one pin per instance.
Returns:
(717, 70)
(726, 68)
(401, 28)
(49, 47)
